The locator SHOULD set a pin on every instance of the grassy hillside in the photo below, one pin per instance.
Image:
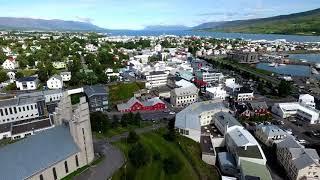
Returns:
(188, 152)
(305, 23)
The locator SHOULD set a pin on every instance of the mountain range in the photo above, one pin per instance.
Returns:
(9, 23)
(303, 23)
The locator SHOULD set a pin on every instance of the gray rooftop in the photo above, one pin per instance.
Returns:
(289, 142)
(21, 100)
(95, 90)
(35, 153)
(189, 117)
(272, 130)
(226, 118)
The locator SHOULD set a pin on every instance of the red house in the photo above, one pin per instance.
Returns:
(134, 104)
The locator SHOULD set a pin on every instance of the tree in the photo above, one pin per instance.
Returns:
(284, 88)
(3, 76)
(115, 121)
(171, 134)
(132, 137)
(137, 119)
(138, 155)
(124, 120)
(19, 74)
(171, 165)
(100, 122)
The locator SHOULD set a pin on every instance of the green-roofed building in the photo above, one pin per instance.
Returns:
(253, 171)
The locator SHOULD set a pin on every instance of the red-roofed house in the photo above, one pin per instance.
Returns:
(134, 104)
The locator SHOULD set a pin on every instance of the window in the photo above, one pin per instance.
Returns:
(66, 166)
(6, 111)
(15, 110)
(19, 109)
(1, 111)
(28, 108)
(54, 173)
(10, 110)
(24, 109)
(77, 161)
(41, 177)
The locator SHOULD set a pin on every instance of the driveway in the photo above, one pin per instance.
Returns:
(114, 158)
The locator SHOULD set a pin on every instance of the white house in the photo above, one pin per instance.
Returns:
(244, 94)
(301, 111)
(232, 85)
(307, 99)
(190, 120)
(216, 92)
(66, 76)
(55, 82)
(270, 134)
(158, 48)
(10, 64)
(12, 76)
(156, 79)
(59, 65)
(184, 96)
(27, 83)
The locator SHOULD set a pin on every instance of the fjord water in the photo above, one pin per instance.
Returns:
(269, 37)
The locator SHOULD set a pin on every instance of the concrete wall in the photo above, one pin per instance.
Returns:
(209, 159)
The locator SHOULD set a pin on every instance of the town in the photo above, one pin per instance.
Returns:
(185, 107)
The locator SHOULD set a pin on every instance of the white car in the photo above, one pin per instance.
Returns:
(172, 113)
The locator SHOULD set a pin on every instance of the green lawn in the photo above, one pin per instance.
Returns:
(123, 91)
(120, 130)
(193, 167)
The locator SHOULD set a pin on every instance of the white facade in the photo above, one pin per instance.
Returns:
(303, 112)
(307, 99)
(19, 111)
(10, 64)
(66, 76)
(28, 84)
(245, 96)
(59, 65)
(184, 96)
(189, 120)
(216, 92)
(158, 48)
(270, 134)
(209, 76)
(12, 76)
(55, 82)
(156, 79)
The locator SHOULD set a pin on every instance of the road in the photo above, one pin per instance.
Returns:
(114, 158)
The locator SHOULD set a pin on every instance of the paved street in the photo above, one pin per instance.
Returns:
(114, 158)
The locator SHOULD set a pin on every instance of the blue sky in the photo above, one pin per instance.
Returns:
(136, 14)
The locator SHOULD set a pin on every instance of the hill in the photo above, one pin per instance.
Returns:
(303, 23)
(12, 23)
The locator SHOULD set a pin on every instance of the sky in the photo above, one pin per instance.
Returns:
(136, 14)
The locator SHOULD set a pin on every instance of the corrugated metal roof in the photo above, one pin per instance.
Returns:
(189, 117)
(35, 153)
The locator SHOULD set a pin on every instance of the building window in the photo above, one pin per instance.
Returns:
(77, 161)
(10, 110)
(6, 111)
(1, 111)
(24, 109)
(28, 108)
(54, 173)
(41, 177)
(15, 110)
(19, 109)
(66, 166)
